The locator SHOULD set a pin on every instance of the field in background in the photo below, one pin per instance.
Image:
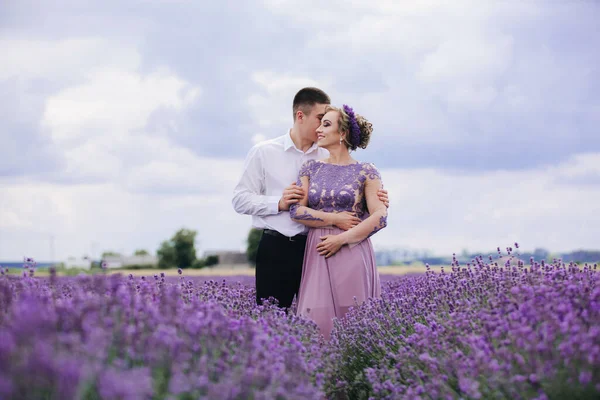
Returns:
(395, 270)
(222, 271)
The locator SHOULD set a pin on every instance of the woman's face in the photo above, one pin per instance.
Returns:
(328, 134)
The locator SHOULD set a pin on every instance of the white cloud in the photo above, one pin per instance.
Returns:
(467, 58)
(35, 208)
(581, 169)
(276, 84)
(463, 69)
(448, 212)
(272, 106)
(259, 137)
(436, 60)
(431, 72)
(113, 102)
(60, 60)
(429, 209)
(198, 175)
(87, 219)
(99, 121)
(127, 188)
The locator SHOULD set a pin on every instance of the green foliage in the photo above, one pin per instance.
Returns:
(136, 266)
(179, 251)
(185, 249)
(90, 391)
(96, 265)
(166, 255)
(252, 244)
(110, 254)
(205, 262)
(211, 260)
(199, 263)
(141, 252)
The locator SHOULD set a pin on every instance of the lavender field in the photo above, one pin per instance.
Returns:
(485, 330)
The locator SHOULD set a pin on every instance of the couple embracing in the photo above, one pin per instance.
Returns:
(316, 231)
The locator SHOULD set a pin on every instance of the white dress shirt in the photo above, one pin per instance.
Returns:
(270, 167)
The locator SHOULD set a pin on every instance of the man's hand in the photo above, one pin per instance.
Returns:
(346, 220)
(330, 244)
(291, 195)
(383, 196)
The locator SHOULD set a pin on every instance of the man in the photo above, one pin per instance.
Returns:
(264, 191)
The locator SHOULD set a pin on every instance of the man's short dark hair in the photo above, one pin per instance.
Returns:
(307, 97)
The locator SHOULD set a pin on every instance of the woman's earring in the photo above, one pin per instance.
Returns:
(341, 140)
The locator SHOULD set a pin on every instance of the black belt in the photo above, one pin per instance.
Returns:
(300, 236)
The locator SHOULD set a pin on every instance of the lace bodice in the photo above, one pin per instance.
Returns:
(336, 188)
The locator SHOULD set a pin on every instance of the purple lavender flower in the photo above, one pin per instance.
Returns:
(354, 128)
(480, 331)
(497, 306)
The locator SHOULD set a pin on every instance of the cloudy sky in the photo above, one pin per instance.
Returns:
(123, 121)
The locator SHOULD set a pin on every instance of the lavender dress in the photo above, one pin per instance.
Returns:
(330, 286)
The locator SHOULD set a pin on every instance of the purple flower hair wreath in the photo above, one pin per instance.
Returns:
(354, 128)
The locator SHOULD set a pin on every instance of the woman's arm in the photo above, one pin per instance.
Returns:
(300, 212)
(377, 219)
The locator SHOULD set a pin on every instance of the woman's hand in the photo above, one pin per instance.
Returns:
(346, 220)
(330, 244)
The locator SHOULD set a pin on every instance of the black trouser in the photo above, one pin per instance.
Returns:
(279, 267)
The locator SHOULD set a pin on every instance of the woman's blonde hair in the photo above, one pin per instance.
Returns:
(358, 130)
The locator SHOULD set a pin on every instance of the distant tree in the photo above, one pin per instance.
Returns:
(184, 241)
(96, 265)
(211, 260)
(141, 252)
(252, 244)
(540, 254)
(166, 255)
(582, 256)
(110, 254)
(179, 251)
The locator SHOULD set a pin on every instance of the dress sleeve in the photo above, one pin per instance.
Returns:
(305, 170)
(371, 171)
(374, 176)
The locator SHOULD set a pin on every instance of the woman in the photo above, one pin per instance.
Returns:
(339, 261)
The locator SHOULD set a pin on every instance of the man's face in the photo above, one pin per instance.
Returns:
(313, 121)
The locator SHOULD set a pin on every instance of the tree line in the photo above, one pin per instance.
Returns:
(180, 252)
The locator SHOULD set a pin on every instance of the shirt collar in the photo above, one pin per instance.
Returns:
(288, 143)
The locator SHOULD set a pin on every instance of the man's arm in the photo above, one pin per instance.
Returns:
(300, 212)
(248, 195)
(383, 196)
